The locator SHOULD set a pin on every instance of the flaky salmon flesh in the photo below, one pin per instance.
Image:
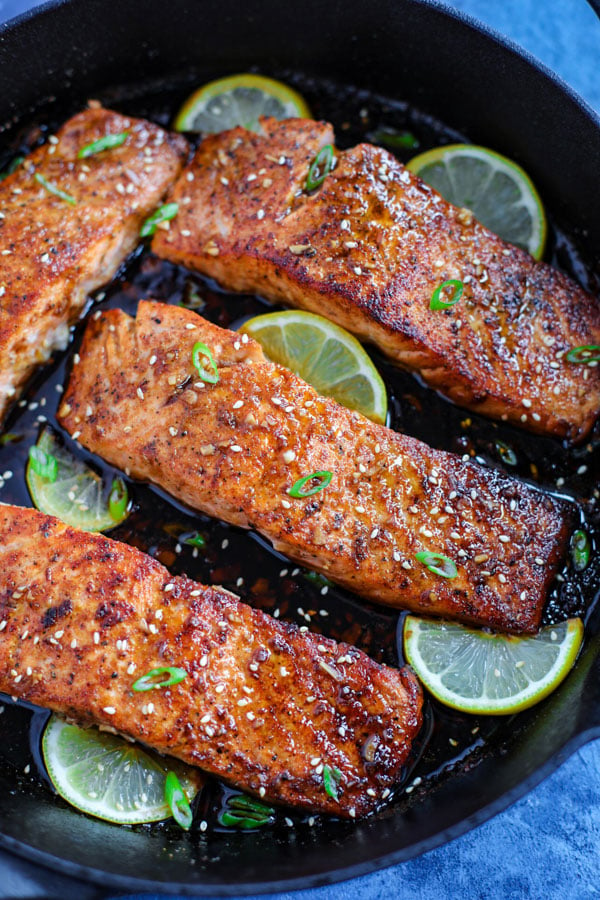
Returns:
(235, 448)
(368, 249)
(55, 249)
(263, 705)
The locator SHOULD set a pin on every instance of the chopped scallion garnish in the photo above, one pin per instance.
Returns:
(195, 540)
(43, 464)
(437, 302)
(118, 499)
(320, 168)
(200, 352)
(438, 563)
(245, 812)
(400, 140)
(54, 190)
(9, 438)
(108, 142)
(159, 678)
(331, 779)
(163, 214)
(178, 802)
(322, 479)
(586, 354)
(581, 549)
(16, 162)
(507, 454)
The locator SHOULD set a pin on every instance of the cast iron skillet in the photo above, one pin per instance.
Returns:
(450, 68)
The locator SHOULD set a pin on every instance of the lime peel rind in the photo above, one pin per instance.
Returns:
(468, 657)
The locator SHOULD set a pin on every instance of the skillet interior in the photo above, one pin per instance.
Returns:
(395, 49)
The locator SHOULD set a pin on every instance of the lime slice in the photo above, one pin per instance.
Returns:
(497, 191)
(72, 491)
(490, 674)
(239, 100)
(325, 356)
(107, 777)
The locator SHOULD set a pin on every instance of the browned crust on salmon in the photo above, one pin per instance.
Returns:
(368, 249)
(53, 253)
(264, 706)
(235, 448)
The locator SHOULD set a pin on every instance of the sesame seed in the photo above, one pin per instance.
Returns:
(289, 456)
(96, 637)
(504, 538)
(109, 710)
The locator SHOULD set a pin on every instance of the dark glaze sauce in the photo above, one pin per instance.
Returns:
(243, 562)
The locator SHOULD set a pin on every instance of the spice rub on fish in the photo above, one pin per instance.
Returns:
(235, 448)
(66, 224)
(263, 705)
(368, 249)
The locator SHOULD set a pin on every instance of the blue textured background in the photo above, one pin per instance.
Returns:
(546, 845)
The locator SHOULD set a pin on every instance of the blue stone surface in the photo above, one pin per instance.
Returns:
(546, 845)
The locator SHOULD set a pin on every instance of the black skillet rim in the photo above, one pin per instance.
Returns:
(582, 734)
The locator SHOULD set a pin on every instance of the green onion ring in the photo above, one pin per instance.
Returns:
(43, 464)
(581, 550)
(436, 301)
(117, 499)
(296, 490)
(198, 351)
(245, 812)
(108, 142)
(146, 682)
(585, 354)
(163, 214)
(319, 168)
(178, 802)
(52, 189)
(331, 779)
(438, 563)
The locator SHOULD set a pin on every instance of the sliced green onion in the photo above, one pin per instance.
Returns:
(437, 302)
(43, 464)
(322, 478)
(245, 812)
(320, 168)
(401, 140)
(117, 499)
(167, 675)
(581, 549)
(163, 214)
(16, 162)
(195, 540)
(507, 454)
(587, 353)
(54, 190)
(10, 437)
(178, 802)
(438, 563)
(108, 142)
(318, 579)
(331, 779)
(200, 350)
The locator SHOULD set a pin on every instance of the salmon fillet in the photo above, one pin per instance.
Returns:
(263, 706)
(368, 249)
(54, 251)
(235, 448)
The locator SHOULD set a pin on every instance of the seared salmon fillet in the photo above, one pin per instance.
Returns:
(235, 448)
(264, 706)
(55, 249)
(368, 249)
